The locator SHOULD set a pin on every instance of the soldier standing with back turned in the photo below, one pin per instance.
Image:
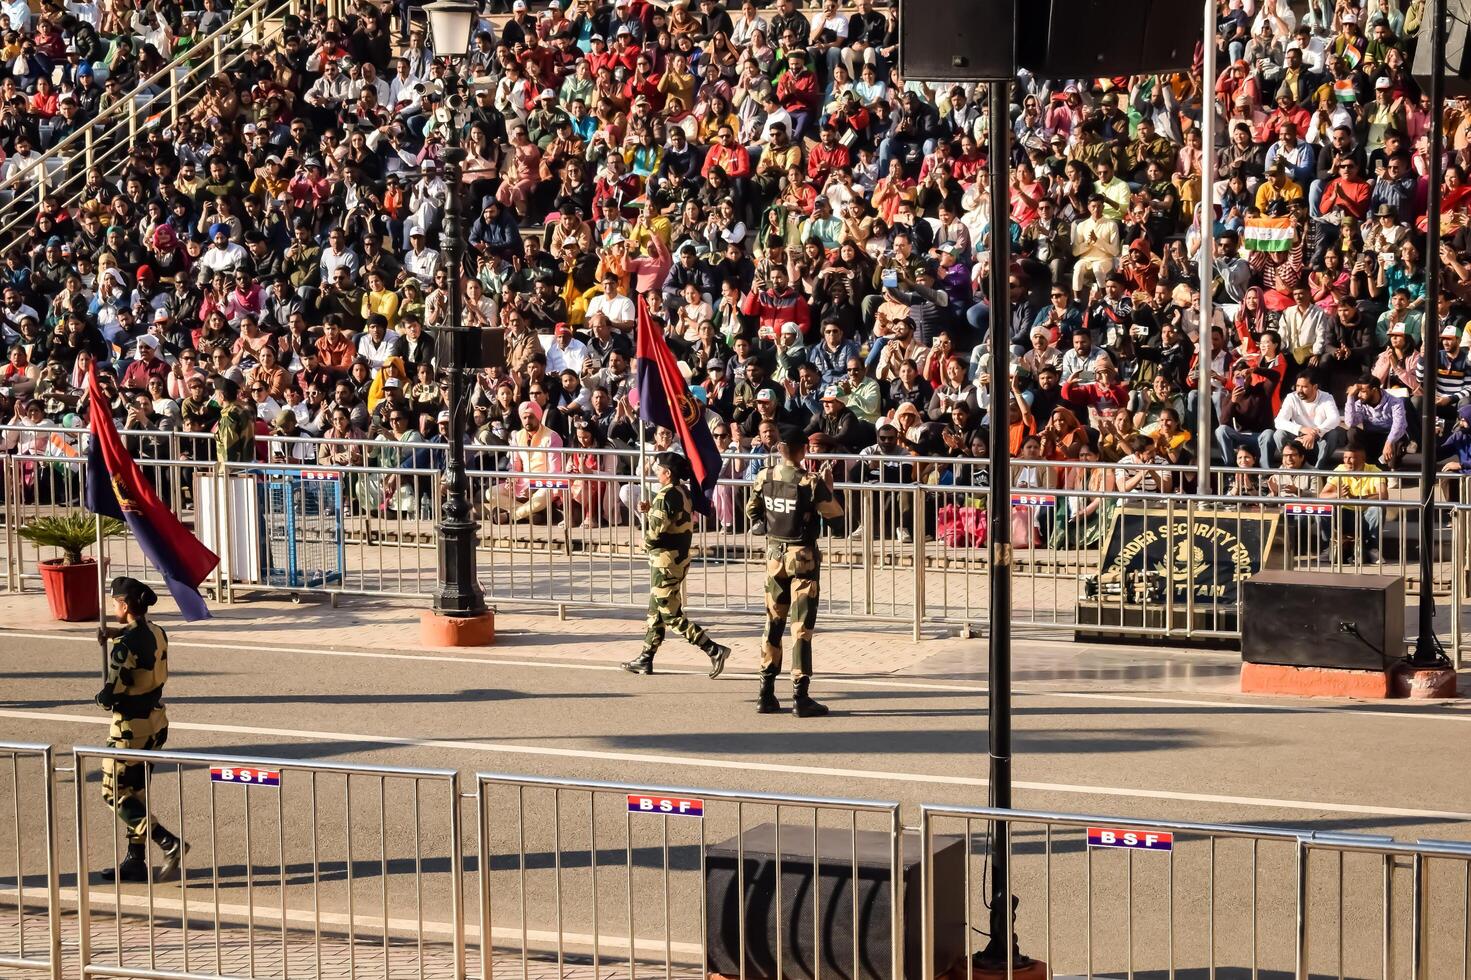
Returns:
(791, 500)
(668, 530)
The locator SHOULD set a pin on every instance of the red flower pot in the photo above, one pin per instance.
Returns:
(71, 590)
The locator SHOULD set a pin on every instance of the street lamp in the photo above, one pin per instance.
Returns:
(457, 592)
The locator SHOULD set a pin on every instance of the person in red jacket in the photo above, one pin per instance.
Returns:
(828, 155)
(773, 302)
(798, 93)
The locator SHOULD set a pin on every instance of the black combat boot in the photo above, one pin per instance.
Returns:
(802, 705)
(766, 702)
(718, 654)
(133, 868)
(173, 849)
(642, 664)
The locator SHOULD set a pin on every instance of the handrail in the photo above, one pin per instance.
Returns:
(126, 105)
(192, 52)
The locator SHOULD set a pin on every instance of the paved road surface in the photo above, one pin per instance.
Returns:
(1089, 739)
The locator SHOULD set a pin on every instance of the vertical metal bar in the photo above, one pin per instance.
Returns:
(1418, 951)
(352, 941)
(84, 901)
(1046, 894)
(183, 865)
(1340, 915)
(521, 868)
(281, 855)
(1088, 908)
(917, 518)
(316, 882)
(20, 871)
(896, 892)
(1170, 908)
(214, 857)
(816, 901)
(1387, 948)
(668, 926)
(628, 843)
(1129, 912)
(853, 871)
(383, 863)
(1302, 911)
(482, 860)
(53, 871)
(249, 881)
(419, 874)
(592, 848)
(457, 881)
(741, 887)
(1254, 850)
(557, 875)
(781, 917)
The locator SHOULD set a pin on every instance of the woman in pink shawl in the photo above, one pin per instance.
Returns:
(169, 257)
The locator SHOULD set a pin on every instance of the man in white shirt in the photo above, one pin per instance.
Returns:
(566, 352)
(377, 343)
(1096, 245)
(22, 157)
(1310, 416)
(1304, 328)
(223, 255)
(337, 255)
(329, 91)
(420, 260)
(612, 304)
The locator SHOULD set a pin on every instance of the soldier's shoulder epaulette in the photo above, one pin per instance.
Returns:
(760, 480)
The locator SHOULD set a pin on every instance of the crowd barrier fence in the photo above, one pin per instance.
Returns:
(599, 877)
(911, 550)
(30, 903)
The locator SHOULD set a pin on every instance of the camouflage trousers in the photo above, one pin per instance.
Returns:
(123, 782)
(666, 604)
(792, 589)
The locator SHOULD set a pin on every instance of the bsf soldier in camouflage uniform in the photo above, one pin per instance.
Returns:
(791, 500)
(668, 528)
(235, 433)
(137, 669)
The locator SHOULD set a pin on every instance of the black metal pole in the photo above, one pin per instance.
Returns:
(457, 592)
(1002, 943)
(1428, 652)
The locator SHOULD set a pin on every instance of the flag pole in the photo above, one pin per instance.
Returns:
(101, 597)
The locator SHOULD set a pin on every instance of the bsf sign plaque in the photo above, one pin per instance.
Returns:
(245, 775)
(1137, 840)
(675, 806)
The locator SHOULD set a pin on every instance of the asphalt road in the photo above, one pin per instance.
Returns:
(1114, 749)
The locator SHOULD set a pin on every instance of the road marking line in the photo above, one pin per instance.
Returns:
(1430, 711)
(100, 898)
(678, 761)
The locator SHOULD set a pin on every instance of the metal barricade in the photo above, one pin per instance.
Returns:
(30, 900)
(246, 899)
(1111, 896)
(562, 861)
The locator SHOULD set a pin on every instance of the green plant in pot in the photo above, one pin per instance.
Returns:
(70, 581)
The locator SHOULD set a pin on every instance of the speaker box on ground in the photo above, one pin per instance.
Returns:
(1087, 38)
(837, 851)
(1457, 51)
(1316, 619)
(957, 40)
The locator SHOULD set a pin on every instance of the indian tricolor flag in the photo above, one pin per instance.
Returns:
(1269, 234)
(1352, 54)
(1343, 90)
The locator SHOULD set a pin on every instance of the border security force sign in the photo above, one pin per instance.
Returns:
(245, 775)
(1134, 840)
(674, 806)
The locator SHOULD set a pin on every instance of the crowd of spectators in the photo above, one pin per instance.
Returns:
(809, 229)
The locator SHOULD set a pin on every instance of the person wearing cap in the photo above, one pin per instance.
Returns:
(146, 364)
(793, 502)
(1277, 191)
(1453, 365)
(132, 691)
(235, 432)
(668, 531)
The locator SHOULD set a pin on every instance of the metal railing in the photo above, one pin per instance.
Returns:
(672, 858)
(1087, 559)
(301, 894)
(1101, 895)
(30, 900)
(106, 140)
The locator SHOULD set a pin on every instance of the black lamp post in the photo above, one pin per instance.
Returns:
(457, 592)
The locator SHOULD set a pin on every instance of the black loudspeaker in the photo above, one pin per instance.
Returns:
(957, 40)
(492, 348)
(1316, 619)
(1088, 38)
(1457, 51)
(725, 906)
(477, 348)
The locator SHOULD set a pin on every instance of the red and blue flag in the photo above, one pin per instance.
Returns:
(664, 399)
(116, 487)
